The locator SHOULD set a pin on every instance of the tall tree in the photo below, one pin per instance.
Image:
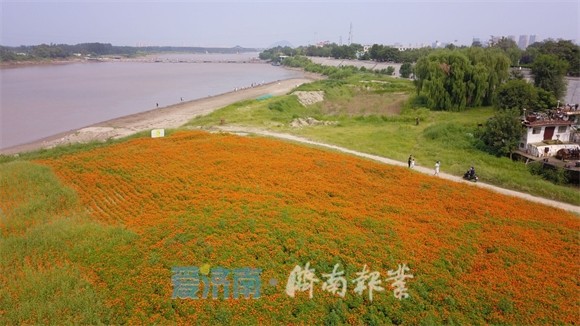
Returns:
(412, 55)
(456, 79)
(549, 74)
(374, 52)
(563, 49)
(440, 78)
(343, 52)
(510, 49)
(496, 65)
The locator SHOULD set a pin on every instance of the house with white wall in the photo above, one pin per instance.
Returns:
(547, 133)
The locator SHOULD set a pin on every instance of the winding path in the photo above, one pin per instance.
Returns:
(246, 130)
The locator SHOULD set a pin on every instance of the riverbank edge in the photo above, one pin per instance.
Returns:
(169, 117)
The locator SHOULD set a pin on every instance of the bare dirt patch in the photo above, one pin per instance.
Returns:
(367, 103)
(309, 98)
(307, 122)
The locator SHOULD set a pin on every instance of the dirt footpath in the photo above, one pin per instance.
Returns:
(429, 171)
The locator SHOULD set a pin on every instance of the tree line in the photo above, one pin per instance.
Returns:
(562, 49)
(379, 53)
(63, 51)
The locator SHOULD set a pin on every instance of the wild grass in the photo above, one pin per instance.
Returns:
(49, 249)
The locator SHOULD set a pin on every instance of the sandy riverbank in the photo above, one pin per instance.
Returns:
(168, 117)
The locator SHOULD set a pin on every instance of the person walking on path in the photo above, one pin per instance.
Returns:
(412, 162)
(437, 165)
(409, 160)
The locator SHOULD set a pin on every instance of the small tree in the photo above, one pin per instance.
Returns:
(406, 70)
(501, 134)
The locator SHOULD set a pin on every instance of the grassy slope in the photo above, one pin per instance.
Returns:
(53, 259)
(195, 198)
(444, 136)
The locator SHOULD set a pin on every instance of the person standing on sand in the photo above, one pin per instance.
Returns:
(437, 165)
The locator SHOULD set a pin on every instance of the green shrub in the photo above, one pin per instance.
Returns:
(553, 174)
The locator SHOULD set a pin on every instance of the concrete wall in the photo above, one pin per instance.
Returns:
(536, 138)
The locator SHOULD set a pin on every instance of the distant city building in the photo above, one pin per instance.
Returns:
(404, 47)
(494, 40)
(437, 45)
(523, 42)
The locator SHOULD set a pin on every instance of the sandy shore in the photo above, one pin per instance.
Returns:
(173, 116)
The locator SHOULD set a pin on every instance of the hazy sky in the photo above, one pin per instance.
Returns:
(262, 23)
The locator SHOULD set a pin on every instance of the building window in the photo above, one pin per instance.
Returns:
(562, 129)
(536, 130)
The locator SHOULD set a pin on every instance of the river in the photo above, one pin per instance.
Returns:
(43, 100)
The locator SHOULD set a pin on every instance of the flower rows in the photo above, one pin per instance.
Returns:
(196, 198)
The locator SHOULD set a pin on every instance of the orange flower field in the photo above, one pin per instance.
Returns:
(196, 199)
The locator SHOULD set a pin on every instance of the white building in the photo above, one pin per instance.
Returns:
(546, 134)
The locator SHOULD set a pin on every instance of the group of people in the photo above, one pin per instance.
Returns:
(469, 175)
(411, 163)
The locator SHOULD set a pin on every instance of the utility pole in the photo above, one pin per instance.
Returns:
(350, 35)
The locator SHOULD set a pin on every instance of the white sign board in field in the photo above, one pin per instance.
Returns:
(156, 133)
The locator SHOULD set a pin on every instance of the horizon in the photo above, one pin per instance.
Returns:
(255, 48)
(261, 24)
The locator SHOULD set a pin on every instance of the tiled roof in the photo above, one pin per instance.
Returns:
(539, 123)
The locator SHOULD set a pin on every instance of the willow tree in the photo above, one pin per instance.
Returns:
(440, 79)
(455, 79)
(496, 65)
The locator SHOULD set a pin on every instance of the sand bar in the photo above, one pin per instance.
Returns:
(173, 116)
